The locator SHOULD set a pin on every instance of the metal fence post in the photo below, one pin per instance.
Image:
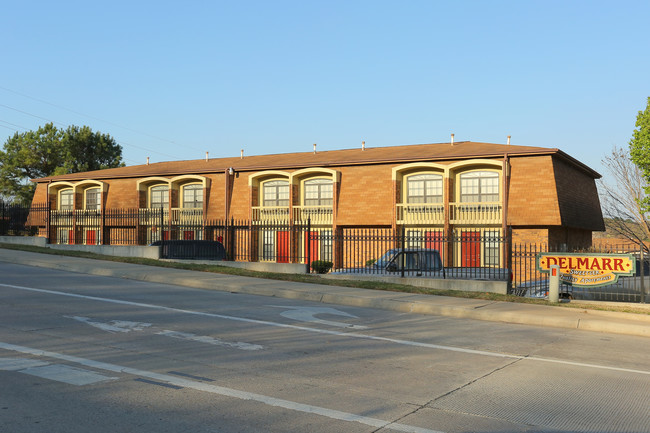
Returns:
(403, 253)
(308, 245)
(642, 273)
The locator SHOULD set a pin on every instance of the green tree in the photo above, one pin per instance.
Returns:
(640, 149)
(51, 151)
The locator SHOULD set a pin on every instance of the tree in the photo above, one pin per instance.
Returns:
(640, 149)
(50, 151)
(622, 201)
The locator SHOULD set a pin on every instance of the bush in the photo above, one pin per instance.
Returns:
(370, 262)
(321, 266)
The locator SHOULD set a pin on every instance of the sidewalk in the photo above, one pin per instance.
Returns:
(527, 314)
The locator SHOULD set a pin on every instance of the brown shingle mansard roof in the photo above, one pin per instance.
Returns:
(331, 158)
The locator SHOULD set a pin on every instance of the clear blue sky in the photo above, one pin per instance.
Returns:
(171, 80)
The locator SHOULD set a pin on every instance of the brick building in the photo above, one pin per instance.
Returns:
(431, 190)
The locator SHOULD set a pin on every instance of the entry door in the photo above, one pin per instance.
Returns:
(283, 247)
(471, 249)
(434, 241)
(91, 238)
(311, 240)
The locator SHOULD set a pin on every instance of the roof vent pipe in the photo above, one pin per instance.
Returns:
(314, 147)
(452, 139)
(147, 160)
(242, 154)
(206, 156)
(508, 140)
(363, 145)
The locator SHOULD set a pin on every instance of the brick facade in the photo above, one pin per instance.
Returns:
(550, 197)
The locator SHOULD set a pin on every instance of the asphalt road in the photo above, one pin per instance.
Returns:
(83, 353)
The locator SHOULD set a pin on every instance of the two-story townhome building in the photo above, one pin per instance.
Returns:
(431, 191)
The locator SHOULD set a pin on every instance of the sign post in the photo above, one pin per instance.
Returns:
(554, 284)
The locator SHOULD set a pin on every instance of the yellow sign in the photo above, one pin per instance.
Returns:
(588, 269)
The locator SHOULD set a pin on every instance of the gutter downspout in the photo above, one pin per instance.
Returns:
(227, 193)
(507, 234)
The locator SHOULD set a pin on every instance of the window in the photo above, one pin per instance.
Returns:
(159, 197)
(491, 248)
(193, 196)
(319, 192)
(276, 193)
(66, 199)
(424, 188)
(93, 199)
(479, 186)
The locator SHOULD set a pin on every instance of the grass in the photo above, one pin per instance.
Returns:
(315, 279)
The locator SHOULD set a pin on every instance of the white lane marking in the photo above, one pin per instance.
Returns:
(67, 374)
(60, 373)
(210, 340)
(16, 364)
(113, 325)
(228, 392)
(306, 314)
(330, 332)
(127, 326)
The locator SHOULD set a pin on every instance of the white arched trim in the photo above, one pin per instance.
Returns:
(299, 175)
(398, 171)
(472, 164)
(144, 184)
(90, 183)
(254, 179)
(58, 186)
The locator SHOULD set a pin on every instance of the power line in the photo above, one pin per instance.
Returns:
(59, 123)
(95, 118)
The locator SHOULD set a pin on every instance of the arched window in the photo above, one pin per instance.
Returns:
(318, 192)
(93, 199)
(479, 186)
(159, 197)
(66, 199)
(276, 193)
(193, 196)
(424, 188)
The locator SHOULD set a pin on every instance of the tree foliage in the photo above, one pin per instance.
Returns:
(52, 151)
(622, 200)
(640, 149)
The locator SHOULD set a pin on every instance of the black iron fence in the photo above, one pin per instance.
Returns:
(13, 220)
(410, 252)
(531, 282)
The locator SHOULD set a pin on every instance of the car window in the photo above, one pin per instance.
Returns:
(386, 259)
(430, 260)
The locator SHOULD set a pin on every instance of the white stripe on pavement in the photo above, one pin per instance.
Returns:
(227, 392)
(331, 332)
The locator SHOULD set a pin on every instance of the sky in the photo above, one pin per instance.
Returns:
(172, 80)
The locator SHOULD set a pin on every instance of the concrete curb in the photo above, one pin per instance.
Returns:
(524, 314)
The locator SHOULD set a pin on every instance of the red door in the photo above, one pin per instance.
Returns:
(434, 240)
(471, 249)
(283, 247)
(188, 235)
(311, 240)
(90, 237)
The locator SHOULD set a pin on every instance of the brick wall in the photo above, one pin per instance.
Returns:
(366, 196)
(122, 193)
(577, 198)
(533, 195)
(533, 235)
